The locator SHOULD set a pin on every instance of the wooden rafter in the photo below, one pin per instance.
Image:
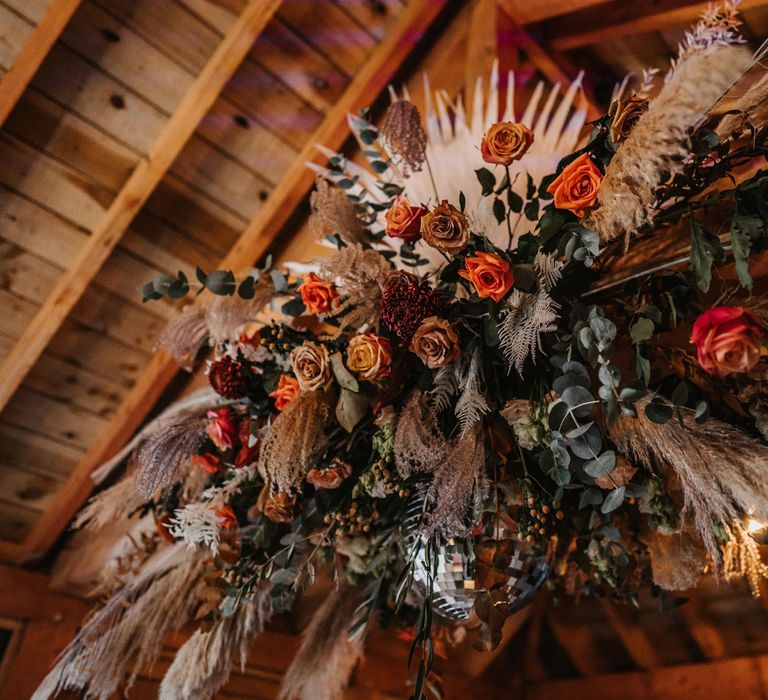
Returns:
(556, 67)
(372, 78)
(703, 629)
(33, 53)
(140, 185)
(632, 635)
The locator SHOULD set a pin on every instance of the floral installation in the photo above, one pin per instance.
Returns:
(452, 411)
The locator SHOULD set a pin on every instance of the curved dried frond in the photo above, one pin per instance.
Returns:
(333, 212)
(420, 445)
(184, 335)
(472, 404)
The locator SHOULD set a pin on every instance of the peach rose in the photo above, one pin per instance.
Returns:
(331, 477)
(404, 220)
(221, 428)
(317, 295)
(208, 461)
(287, 390)
(505, 142)
(490, 274)
(369, 356)
(626, 113)
(311, 365)
(445, 228)
(435, 342)
(575, 188)
(728, 340)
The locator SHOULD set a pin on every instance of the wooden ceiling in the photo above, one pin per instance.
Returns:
(148, 136)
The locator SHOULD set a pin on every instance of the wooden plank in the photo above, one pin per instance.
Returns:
(16, 521)
(376, 16)
(576, 641)
(702, 629)
(34, 52)
(15, 30)
(632, 635)
(367, 84)
(482, 47)
(20, 449)
(527, 12)
(135, 192)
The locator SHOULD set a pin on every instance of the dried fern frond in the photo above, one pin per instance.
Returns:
(184, 335)
(472, 404)
(326, 658)
(525, 318)
(460, 487)
(549, 269)
(295, 439)
(717, 485)
(404, 135)
(204, 662)
(333, 213)
(165, 451)
(114, 644)
(661, 139)
(445, 386)
(420, 445)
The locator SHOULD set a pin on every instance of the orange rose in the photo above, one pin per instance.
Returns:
(728, 340)
(278, 507)
(249, 334)
(331, 477)
(227, 517)
(369, 356)
(403, 220)
(287, 390)
(445, 228)
(221, 428)
(317, 295)
(575, 188)
(435, 342)
(490, 274)
(208, 461)
(505, 143)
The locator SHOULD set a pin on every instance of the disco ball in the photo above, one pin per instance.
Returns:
(453, 588)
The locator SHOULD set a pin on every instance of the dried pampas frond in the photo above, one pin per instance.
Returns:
(296, 438)
(404, 136)
(109, 505)
(333, 213)
(359, 275)
(324, 663)
(459, 488)
(472, 404)
(114, 644)
(226, 314)
(165, 451)
(203, 664)
(184, 335)
(678, 560)
(661, 139)
(742, 559)
(753, 105)
(717, 485)
(420, 445)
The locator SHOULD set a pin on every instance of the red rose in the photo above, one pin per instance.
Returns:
(246, 454)
(208, 461)
(404, 220)
(727, 340)
(222, 428)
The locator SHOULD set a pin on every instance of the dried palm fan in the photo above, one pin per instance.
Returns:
(453, 132)
(326, 658)
(113, 643)
(333, 213)
(717, 486)
(204, 662)
(295, 439)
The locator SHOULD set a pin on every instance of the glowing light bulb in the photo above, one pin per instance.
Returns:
(754, 526)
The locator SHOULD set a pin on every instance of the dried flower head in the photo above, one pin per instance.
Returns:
(406, 303)
(404, 135)
(333, 213)
(227, 378)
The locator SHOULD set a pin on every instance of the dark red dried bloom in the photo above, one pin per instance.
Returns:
(227, 377)
(406, 303)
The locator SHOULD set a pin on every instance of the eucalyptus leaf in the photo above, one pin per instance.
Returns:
(613, 500)
(343, 376)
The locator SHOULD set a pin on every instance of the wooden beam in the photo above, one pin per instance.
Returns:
(365, 87)
(140, 185)
(576, 641)
(702, 629)
(555, 67)
(632, 635)
(743, 677)
(481, 44)
(33, 53)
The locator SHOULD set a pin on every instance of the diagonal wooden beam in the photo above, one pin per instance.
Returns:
(140, 185)
(555, 67)
(635, 639)
(369, 82)
(33, 53)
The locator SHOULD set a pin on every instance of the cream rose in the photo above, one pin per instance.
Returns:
(311, 365)
(435, 342)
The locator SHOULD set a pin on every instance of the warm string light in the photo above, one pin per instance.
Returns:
(741, 555)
